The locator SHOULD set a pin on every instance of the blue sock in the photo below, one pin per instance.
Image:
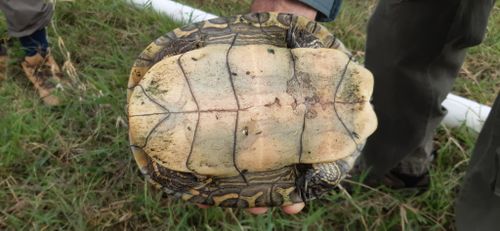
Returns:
(35, 43)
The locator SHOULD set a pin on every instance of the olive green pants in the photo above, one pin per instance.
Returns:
(478, 205)
(26, 16)
(415, 49)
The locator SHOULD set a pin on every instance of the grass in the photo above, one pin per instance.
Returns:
(70, 168)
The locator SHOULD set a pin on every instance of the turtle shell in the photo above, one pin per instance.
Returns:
(230, 111)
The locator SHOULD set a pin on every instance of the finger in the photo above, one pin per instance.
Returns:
(202, 206)
(294, 208)
(257, 210)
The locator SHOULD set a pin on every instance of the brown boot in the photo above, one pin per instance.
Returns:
(45, 75)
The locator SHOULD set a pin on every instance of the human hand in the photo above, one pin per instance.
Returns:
(284, 6)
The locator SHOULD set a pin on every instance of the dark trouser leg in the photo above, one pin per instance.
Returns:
(24, 17)
(26, 20)
(35, 43)
(478, 206)
(414, 67)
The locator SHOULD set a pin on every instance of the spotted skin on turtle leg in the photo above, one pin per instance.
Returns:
(322, 178)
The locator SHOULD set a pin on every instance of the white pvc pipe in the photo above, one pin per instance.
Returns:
(176, 11)
(460, 110)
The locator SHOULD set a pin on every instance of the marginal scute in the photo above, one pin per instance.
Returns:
(162, 41)
(260, 17)
(285, 19)
(170, 35)
(221, 21)
(313, 27)
(189, 27)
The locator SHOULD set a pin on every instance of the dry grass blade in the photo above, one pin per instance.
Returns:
(363, 221)
(235, 219)
(68, 67)
(404, 218)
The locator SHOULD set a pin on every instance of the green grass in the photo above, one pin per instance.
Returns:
(70, 168)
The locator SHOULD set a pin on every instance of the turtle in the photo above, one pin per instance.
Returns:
(253, 110)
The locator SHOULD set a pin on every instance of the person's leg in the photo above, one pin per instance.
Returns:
(414, 52)
(478, 205)
(24, 17)
(26, 20)
(35, 43)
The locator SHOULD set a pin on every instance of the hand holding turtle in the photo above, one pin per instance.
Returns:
(283, 6)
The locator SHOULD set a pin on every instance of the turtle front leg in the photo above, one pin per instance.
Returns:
(322, 177)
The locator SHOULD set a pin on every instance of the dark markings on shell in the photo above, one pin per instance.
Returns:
(227, 191)
(329, 40)
(237, 112)
(231, 19)
(173, 180)
(197, 109)
(269, 32)
(256, 17)
(312, 27)
(144, 59)
(178, 46)
(162, 41)
(150, 133)
(151, 114)
(218, 21)
(257, 189)
(285, 19)
(148, 136)
(189, 27)
(152, 100)
(270, 193)
(290, 88)
(335, 108)
(171, 35)
(200, 35)
(301, 149)
(188, 112)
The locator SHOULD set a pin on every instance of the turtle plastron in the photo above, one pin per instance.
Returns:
(268, 105)
(45, 75)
